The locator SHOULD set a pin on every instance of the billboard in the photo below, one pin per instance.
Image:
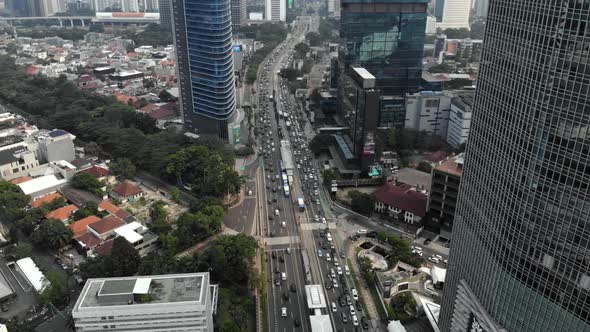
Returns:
(237, 48)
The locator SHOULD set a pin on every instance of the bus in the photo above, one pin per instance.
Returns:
(301, 203)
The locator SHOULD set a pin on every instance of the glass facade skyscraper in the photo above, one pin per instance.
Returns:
(203, 39)
(521, 236)
(386, 37)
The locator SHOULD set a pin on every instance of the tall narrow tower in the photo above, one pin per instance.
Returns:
(521, 237)
(203, 40)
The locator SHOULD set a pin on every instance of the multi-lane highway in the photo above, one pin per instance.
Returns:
(298, 239)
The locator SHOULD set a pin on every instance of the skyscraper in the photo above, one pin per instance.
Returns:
(203, 39)
(521, 235)
(239, 13)
(165, 8)
(276, 10)
(386, 37)
(452, 14)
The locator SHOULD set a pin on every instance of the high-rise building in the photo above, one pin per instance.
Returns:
(239, 14)
(452, 14)
(203, 40)
(521, 231)
(276, 10)
(165, 7)
(173, 302)
(481, 8)
(386, 37)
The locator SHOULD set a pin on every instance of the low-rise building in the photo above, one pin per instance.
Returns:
(174, 303)
(62, 214)
(127, 192)
(41, 186)
(139, 237)
(17, 161)
(428, 111)
(402, 202)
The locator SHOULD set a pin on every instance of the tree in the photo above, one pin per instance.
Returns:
(11, 48)
(315, 96)
(52, 234)
(96, 28)
(55, 291)
(329, 175)
(20, 250)
(12, 201)
(361, 202)
(301, 49)
(231, 259)
(123, 168)
(175, 194)
(461, 33)
(313, 38)
(87, 182)
(89, 210)
(93, 149)
(290, 74)
(122, 261)
(424, 166)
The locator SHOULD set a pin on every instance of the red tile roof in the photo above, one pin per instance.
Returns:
(127, 189)
(161, 113)
(97, 171)
(148, 108)
(105, 248)
(106, 224)
(32, 70)
(21, 179)
(122, 214)
(88, 240)
(79, 227)
(63, 213)
(106, 205)
(436, 156)
(45, 199)
(403, 197)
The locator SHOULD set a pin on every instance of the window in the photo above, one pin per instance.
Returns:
(432, 102)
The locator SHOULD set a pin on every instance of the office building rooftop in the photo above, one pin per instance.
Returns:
(143, 290)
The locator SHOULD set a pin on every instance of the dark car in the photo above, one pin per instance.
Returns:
(278, 281)
(343, 317)
(365, 323)
(342, 279)
(359, 306)
(293, 288)
(277, 270)
(427, 241)
(273, 254)
(296, 322)
(322, 234)
(286, 296)
(342, 300)
(328, 285)
(281, 259)
(372, 234)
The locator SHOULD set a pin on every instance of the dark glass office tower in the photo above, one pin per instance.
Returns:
(520, 251)
(202, 35)
(386, 37)
(165, 13)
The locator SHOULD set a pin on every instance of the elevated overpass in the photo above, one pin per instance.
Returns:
(100, 18)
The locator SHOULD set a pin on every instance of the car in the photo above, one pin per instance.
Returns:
(361, 231)
(342, 301)
(334, 308)
(355, 294)
(332, 273)
(283, 312)
(434, 259)
(335, 283)
(277, 212)
(342, 255)
(359, 306)
(355, 320)
(281, 259)
(346, 270)
(273, 254)
(365, 323)
(324, 220)
(328, 284)
(296, 322)
(283, 224)
(286, 296)
(328, 258)
(339, 269)
(320, 254)
(343, 317)
(277, 281)
(293, 288)
(351, 308)
(348, 300)
(288, 250)
(336, 261)
(277, 270)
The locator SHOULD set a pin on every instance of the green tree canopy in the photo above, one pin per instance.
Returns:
(87, 182)
(55, 291)
(52, 234)
(123, 168)
(361, 202)
(122, 261)
(313, 38)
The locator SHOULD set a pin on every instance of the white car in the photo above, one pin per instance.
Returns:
(355, 320)
(328, 257)
(335, 283)
(339, 269)
(323, 220)
(355, 294)
(334, 307)
(352, 311)
(283, 312)
(336, 261)
(361, 231)
(283, 276)
(434, 259)
(346, 270)
(332, 273)
(283, 224)
(329, 237)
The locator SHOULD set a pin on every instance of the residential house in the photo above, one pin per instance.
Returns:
(402, 202)
(45, 199)
(100, 173)
(139, 237)
(105, 227)
(63, 213)
(127, 192)
(81, 226)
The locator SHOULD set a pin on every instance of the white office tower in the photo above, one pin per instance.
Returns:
(51, 7)
(276, 10)
(452, 14)
(127, 6)
(173, 303)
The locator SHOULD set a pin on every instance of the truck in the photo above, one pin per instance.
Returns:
(301, 203)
